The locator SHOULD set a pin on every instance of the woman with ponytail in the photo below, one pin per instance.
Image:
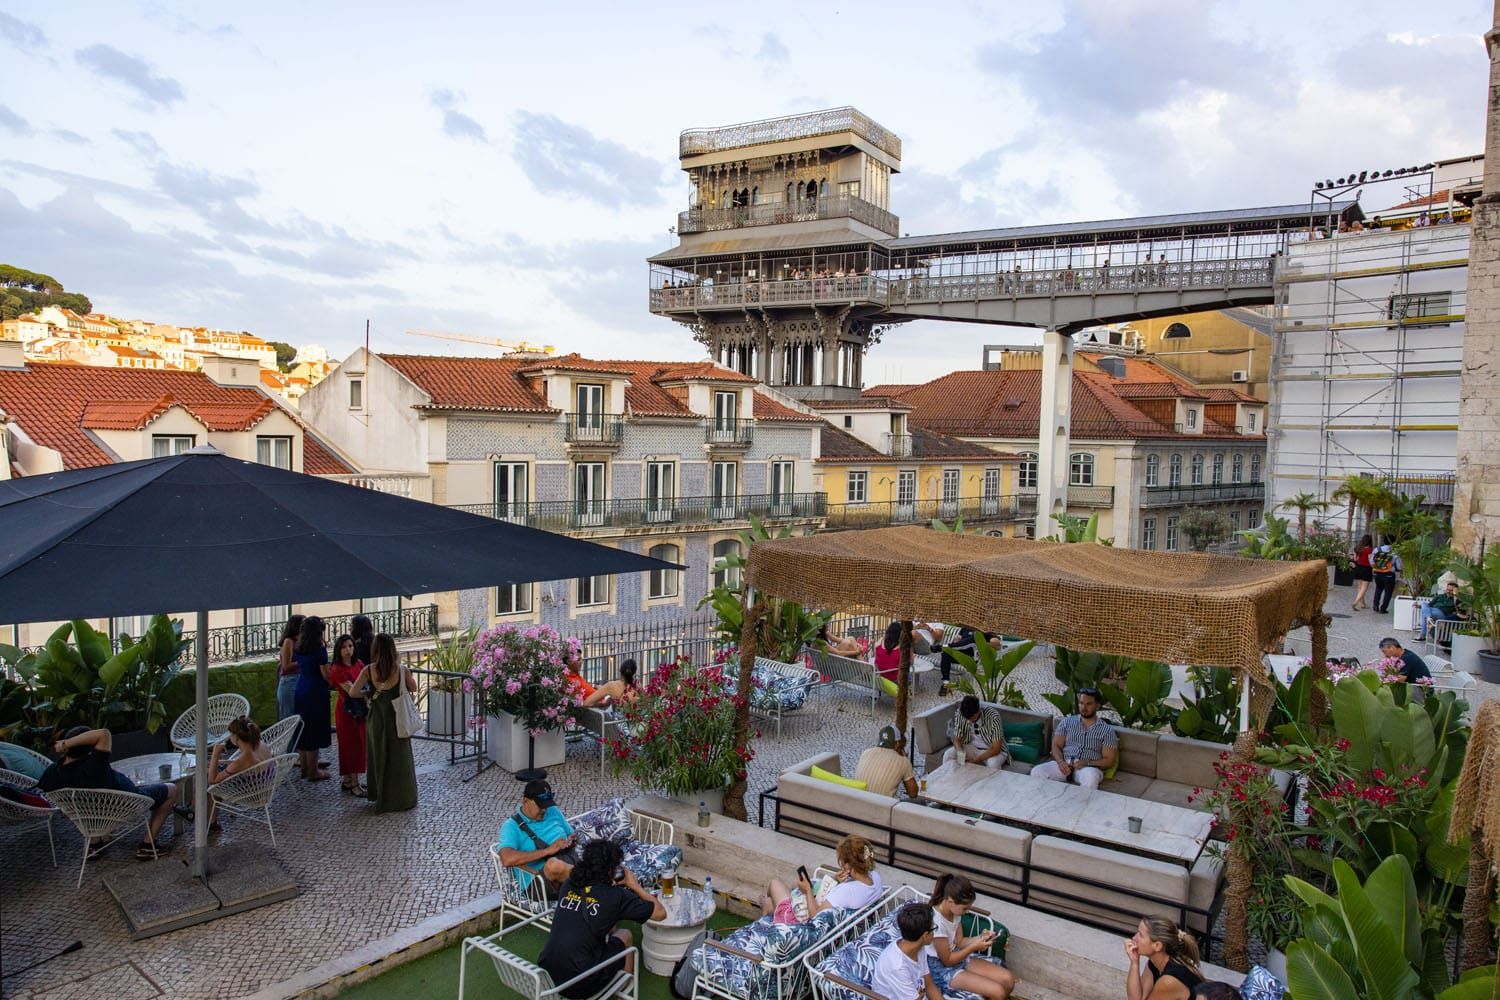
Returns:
(244, 737)
(613, 694)
(1170, 971)
(958, 965)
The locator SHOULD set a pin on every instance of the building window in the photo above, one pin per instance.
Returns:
(1196, 478)
(782, 475)
(858, 488)
(510, 489)
(588, 494)
(1026, 472)
(1192, 418)
(593, 591)
(1174, 471)
(1218, 468)
(1250, 419)
(1177, 331)
(726, 409)
(848, 420)
(906, 487)
(163, 445)
(1153, 470)
(1237, 469)
(1234, 521)
(1148, 533)
(1252, 519)
(950, 485)
(1171, 533)
(991, 490)
(1414, 308)
(726, 576)
(513, 599)
(1081, 469)
(275, 451)
(1255, 468)
(661, 490)
(356, 394)
(590, 402)
(663, 582)
(724, 486)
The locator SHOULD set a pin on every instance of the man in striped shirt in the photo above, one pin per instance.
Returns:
(1084, 746)
(978, 732)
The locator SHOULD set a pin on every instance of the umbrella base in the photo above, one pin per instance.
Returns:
(164, 896)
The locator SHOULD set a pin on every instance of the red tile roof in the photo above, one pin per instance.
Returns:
(767, 408)
(1231, 396)
(865, 402)
(58, 404)
(839, 447)
(1156, 390)
(891, 388)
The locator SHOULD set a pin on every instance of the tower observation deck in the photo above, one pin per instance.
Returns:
(791, 264)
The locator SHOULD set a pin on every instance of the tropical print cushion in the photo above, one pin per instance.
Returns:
(856, 960)
(12, 758)
(1260, 984)
(771, 691)
(775, 944)
(648, 861)
(607, 821)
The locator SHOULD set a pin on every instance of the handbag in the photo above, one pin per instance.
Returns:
(355, 708)
(409, 721)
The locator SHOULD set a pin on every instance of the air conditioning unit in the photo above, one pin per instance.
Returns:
(1239, 375)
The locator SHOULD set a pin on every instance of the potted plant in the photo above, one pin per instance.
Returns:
(677, 737)
(519, 680)
(449, 706)
(986, 673)
(1479, 592)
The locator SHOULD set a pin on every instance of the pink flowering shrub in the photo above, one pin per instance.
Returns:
(523, 671)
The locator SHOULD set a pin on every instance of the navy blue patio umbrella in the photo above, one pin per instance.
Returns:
(203, 531)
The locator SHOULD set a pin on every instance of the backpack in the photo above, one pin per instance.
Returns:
(685, 972)
(1382, 562)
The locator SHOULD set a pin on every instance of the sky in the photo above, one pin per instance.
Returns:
(503, 171)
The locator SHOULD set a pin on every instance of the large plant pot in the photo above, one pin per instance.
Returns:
(448, 712)
(1465, 653)
(1276, 963)
(1489, 666)
(714, 799)
(507, 742)
(138, 742)
(1343, 577)
(1401, 613)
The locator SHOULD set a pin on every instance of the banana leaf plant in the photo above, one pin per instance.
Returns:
(1140, 701)
(159, 650)
(1213, 712)
(987, 673)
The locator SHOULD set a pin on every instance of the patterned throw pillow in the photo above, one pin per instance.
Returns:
(1261, 985)
(648, 861)
(608, 821)
(856, 960)
(730, 972)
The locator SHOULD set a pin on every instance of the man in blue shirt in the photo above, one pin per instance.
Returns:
(537, 840)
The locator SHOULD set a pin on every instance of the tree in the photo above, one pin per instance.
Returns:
(285, 354)
(1302, 503)
(1357, 492)
(1203, 527)
(27, 291)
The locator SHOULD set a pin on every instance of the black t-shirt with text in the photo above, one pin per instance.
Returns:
(585, 915)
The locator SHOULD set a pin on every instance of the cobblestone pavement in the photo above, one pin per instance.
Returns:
(365, 876)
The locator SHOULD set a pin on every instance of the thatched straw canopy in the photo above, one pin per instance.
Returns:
(1175, 607)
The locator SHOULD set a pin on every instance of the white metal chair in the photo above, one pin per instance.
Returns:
(250, 792)
(14, 757)
(599, 725)
(528, 901)
(532, 981)
(102, 814)
(281, 735)
(222, 710)
(1442, 633)
(20, 816)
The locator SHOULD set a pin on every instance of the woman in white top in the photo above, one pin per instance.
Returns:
(855, 885)
(958, 965)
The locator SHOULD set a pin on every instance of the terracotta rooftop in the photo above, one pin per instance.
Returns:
(865, 402)
(58, 404)
(1231, 396)
(839, 447)
(1156, 390)
(453, 383)
(767, 408)
(891, 388)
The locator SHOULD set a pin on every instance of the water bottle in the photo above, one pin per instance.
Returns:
(708, 886)
(703, 814)
(962, 757)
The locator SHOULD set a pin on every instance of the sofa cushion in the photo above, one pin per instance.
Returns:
(1157, 888)
(932, 841)
(1137, 751)
(1188, 762)
(607, 821)
(1203, 888)
(1024, 741)
(856, 960)
(825, 813)
(1126, 783)
(837, 779)
(14, 758)
(788, 941)
(1173, 794)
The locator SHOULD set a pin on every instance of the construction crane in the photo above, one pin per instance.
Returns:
(510, 345)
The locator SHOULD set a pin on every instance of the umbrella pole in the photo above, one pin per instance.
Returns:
(200, 748)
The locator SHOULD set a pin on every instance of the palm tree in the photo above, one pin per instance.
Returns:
(1302, 503)
(1352, 492)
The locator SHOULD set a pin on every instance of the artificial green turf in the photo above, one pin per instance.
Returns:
(436, 975)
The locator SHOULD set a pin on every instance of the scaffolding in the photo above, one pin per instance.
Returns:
(1368, 358)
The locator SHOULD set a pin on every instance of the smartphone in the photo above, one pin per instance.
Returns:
(802, 874)
(620, 874)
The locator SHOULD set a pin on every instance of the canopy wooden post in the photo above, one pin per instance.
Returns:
(1317, 704)
(903, 685)
(1241, 876)
(734, 798)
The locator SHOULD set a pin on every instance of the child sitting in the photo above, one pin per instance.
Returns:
(955, 965)
(902, 971)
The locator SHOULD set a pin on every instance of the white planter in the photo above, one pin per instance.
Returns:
(1465, 654)
(1401, 613)
(507, 744)
(448, 712)
(1276, 964)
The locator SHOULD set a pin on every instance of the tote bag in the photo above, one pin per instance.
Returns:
(409, 721)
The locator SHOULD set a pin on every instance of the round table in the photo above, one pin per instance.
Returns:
(665, 941)
(147, 770)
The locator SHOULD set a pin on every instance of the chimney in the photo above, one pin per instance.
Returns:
(12, 354)
(234, 372)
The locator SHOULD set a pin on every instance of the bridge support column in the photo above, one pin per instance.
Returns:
(1052, 431)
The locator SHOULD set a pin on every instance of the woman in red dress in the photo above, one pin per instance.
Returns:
(349, 718)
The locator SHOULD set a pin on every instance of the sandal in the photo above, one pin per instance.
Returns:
(146, 853)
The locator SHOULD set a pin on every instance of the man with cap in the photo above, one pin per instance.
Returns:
(537, 840)
(884, 769)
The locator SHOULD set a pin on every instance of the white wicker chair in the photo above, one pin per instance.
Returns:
(102, 814)
(281, 735)
(222, 710)
(250, 792)
(18, 753)
(532, 981)
(19, 816)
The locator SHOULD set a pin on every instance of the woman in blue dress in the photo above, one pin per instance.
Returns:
(312, 698)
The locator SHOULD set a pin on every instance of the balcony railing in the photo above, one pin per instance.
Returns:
(708, 220)
(697, 141)
(898, 445)
(593, 428)
(973, 510)
(637, 512)
(1169, 496)
(729, 433)
(1078, 496)
(412, 487)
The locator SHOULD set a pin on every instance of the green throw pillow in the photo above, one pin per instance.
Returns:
(1110, 773)
(889, 686)
(838, 779)
(972, 926)
(1024, 741)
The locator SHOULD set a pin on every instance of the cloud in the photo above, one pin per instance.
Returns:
(12, 122)
(455, 122)
(82, 183)
(134, 73)
(69, 136)
(772, 51)
(142, 142)
(570, 160)
(21, 34)
(603, 280)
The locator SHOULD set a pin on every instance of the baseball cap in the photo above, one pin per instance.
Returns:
(888, 737)
(539, 792)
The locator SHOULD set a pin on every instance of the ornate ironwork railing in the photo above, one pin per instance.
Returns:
(771, 213)
(973, 510)
(727, 432)
(1078, 496)
(593, 428)
(696, 141)
(898, 445)
(1164, 496)
(634, 512)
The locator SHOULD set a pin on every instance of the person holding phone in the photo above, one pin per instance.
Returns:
(538, 841)
(956, 963)
(599, 893)
(856, 884)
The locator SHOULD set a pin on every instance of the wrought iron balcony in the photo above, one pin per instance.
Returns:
(772, 213)
(898, 445)
(973, 510)
(729, 433)
(1171, 496)
(1078, 496)
(639, 512)
(593, 428)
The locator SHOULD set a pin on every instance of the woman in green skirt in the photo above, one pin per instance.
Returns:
(390, 772)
